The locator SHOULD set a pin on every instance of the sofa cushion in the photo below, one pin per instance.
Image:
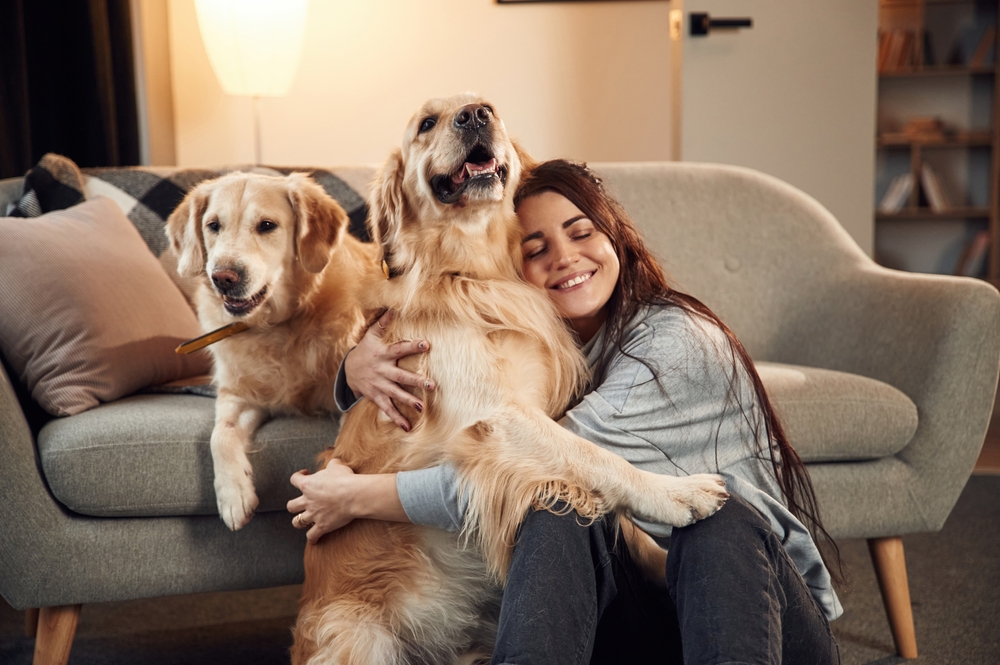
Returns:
(832, 416)
(149, 455)
(87, 314)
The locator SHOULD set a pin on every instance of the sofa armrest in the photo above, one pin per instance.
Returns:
(935, 338)
(52, 556)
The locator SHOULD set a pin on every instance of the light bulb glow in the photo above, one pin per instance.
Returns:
(254, 45)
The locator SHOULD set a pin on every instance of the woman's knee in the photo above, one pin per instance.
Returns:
(736, 530)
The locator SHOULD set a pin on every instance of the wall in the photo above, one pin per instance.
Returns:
(154, 84)
(597, 81)
(587, 80)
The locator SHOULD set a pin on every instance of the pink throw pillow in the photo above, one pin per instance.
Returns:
(87, 313)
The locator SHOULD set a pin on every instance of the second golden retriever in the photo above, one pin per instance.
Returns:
(505, 366)
(272, 252)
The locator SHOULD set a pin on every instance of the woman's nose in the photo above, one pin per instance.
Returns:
(565, 255)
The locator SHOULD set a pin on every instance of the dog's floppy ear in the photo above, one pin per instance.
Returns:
(320, 220)
(387, 203)
(184, 231)
(527, 161)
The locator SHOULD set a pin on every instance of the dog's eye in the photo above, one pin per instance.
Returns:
(213, 226)
(427, 125)
(266, 226)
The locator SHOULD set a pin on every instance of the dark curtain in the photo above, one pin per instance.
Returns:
(67, 83)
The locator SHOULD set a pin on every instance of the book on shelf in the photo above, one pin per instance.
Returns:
(924, 128)
(975, 46)
(883, 48)
(896, 193)
(986, 48)
(973, 257)
(906, 59)
(897, 50)
(934, 190)
(928, 50)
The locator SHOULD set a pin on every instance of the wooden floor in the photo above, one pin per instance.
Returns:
(989, 458)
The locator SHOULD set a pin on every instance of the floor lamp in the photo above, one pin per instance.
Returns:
(254, 46)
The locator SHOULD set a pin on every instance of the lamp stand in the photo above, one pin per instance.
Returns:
(256, 130)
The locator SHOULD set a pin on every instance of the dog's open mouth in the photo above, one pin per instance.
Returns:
(480, 168)
(243, 306)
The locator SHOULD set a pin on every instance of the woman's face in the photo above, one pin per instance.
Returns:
(565, 254)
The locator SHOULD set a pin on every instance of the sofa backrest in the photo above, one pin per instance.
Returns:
(753, 248)
(10, 190)
(756, 250)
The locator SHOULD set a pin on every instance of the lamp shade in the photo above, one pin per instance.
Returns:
(254, 45)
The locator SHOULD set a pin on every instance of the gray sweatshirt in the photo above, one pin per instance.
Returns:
(692, 426)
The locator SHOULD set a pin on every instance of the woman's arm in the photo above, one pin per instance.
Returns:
(370, 370)
(335, 495)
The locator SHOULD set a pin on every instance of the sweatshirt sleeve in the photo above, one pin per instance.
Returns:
(342, 394)
(431, 497)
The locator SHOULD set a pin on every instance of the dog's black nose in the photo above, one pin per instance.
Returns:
(226, 280)
(473, 116)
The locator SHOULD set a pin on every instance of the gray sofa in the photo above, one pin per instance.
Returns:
(885, 382)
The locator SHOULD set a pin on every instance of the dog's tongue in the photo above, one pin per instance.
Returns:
(471, 170)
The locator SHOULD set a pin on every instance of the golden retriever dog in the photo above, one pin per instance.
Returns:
(505, 366)
(273, 252)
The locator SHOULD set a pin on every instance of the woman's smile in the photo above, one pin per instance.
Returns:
(573, 280)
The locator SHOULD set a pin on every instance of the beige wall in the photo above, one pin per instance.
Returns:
(153, 82)
(597, 81)
(583, 80)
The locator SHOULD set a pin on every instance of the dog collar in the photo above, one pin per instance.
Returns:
(388, 270)
(212, 337)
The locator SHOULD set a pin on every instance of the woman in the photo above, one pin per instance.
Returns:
(673, 391)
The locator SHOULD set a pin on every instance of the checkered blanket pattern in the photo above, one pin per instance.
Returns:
(148, 195)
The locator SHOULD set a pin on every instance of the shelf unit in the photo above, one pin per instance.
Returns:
(968, 92)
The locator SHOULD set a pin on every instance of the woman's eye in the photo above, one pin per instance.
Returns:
(582, 236)
(427, 125)
(213, 226)
(266, 226)
(535, 253)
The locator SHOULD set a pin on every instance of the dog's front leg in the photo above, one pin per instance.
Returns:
(235, 423)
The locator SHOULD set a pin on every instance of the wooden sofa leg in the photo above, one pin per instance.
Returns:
(30, 622)
(56, 629)
(890, 569)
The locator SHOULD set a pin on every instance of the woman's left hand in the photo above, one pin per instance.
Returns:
(326, 501)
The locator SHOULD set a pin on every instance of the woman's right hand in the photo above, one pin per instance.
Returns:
(370, 369)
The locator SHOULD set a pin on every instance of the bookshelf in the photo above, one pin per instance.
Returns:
(938, 137)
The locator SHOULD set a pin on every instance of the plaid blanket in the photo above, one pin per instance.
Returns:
(149, 195)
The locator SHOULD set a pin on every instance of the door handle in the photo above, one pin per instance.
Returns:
(702, 23)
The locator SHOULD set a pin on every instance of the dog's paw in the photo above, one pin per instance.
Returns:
(236, 499)
(682, 501)
(705, 494)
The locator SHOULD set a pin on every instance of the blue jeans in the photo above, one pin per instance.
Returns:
(733, 596)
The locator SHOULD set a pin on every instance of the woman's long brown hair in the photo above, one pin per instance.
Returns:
(641, 283)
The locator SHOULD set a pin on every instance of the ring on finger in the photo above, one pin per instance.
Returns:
(300, 523)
